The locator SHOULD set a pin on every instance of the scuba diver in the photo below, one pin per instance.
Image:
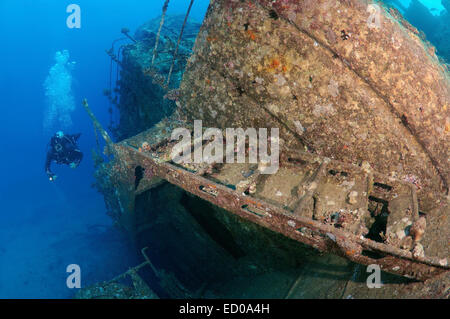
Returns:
(62, 149)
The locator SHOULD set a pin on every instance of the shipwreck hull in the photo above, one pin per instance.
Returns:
(268, 211)
(329, 81)
(361, 109)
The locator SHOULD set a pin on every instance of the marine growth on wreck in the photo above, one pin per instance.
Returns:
(236, 149)
(360, 93)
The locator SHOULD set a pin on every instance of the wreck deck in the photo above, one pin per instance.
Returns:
(314, 200)
(367, 113)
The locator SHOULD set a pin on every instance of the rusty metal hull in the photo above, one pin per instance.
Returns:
(323, 237)
(329, 81)
(343, 95)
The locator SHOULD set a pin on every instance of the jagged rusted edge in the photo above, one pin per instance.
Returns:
(323, 237)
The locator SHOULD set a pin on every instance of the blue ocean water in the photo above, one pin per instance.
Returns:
(46, 226)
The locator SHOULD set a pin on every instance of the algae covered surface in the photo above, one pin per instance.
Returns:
(369, 93)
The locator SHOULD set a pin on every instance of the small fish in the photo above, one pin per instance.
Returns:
(344, 35)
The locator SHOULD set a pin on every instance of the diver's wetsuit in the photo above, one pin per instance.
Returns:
(63, 150)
